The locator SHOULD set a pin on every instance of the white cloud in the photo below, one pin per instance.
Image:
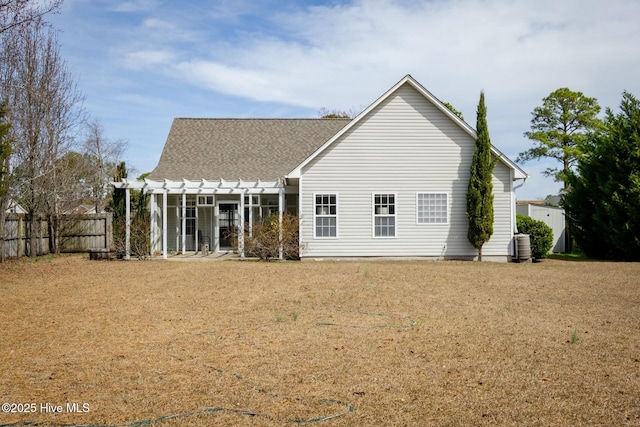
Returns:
(510, 49)
(148, 59)
(518, 52)
(135, 6)
(347, 53)
(155, 30)
(230, 80)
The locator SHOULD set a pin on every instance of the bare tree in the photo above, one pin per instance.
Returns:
(45, 110)
(5, 175)
(102, 156)
(18, 14)
(325, 113)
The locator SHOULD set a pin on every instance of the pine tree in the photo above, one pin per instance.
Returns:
(559, 129)
(480, 191)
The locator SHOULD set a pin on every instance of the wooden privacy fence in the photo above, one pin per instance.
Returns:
(78, 233)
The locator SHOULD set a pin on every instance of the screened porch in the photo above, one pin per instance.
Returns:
(191, 216)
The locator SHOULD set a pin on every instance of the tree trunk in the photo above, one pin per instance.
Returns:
(33, 247)
(51, 229)
(480, 254)
(57, 232)
(3, 219)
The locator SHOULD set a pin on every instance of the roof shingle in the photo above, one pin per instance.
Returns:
(247, 149)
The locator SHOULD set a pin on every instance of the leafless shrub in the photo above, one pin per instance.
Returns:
(264, 239)
(139, 241)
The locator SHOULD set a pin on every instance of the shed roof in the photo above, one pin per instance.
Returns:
(247, 149)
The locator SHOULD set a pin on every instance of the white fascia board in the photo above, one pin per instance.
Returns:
(297, 171)
(519, 173)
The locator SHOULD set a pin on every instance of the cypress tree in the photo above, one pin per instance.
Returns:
(119, 194)
(480, 191)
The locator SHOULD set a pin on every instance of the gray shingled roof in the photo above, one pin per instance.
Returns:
(247, 149)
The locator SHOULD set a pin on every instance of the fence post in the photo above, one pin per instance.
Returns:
(20, 236)
(108, 231)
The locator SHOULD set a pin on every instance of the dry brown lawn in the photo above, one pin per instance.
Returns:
(327, 343)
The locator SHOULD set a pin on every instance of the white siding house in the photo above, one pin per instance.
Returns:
(410, 148)
(392, 182)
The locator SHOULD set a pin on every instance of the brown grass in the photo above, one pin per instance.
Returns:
(378, 343)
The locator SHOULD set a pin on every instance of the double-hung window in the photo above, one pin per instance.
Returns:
(384, 215)
(326, 215)
(432, 208)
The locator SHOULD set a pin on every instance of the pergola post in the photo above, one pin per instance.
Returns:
(280, 213)
(127, 244)
(241, 226)
(195, 230)
(153, 225)
(164, 225)
(250, 215)
(183, 237)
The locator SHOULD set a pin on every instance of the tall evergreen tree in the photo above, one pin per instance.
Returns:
(480, 190)
(559, 129)
(603, 202)
(119, 194)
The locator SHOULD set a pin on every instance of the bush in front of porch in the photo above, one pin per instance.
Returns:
(263, 241)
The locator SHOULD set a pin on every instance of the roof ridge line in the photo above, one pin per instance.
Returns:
(262, 119)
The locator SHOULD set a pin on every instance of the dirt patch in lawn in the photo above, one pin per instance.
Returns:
(327, 343)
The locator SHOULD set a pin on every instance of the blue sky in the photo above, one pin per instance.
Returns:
(141, 63)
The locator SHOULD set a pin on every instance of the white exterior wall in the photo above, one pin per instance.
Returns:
(404, 146)
(553, 217)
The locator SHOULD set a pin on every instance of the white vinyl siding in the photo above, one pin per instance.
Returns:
(404, 146)
(384, 215)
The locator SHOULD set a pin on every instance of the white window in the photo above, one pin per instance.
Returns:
(326, 215)
(205, 201)
(432, 208)
(384, 215)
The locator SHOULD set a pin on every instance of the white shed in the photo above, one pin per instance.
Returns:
(553, 216)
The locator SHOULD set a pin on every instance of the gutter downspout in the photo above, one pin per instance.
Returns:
(514, 205)
(515, 222)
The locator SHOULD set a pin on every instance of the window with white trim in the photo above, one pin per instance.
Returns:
(432, 208)
(384, 215)
(206, 201)
(326, 215)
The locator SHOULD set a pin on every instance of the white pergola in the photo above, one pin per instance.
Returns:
(202, 187)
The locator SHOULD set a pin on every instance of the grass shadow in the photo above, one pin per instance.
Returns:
(570, 257)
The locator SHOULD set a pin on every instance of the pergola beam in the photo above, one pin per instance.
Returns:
(127, 250)
(184, 187)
